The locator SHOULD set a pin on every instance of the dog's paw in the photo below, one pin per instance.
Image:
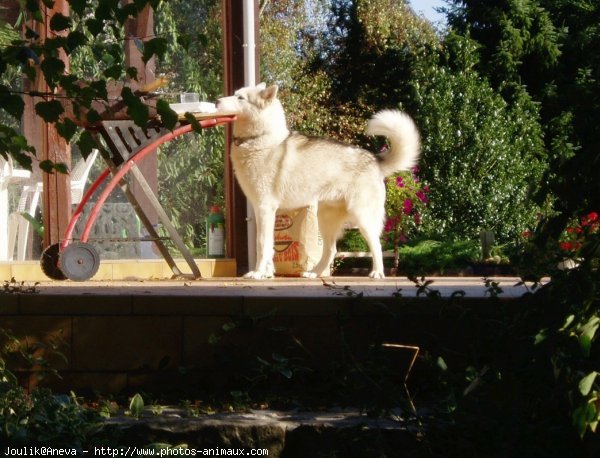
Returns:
(258, 275)
(309, 274)
(376, 274)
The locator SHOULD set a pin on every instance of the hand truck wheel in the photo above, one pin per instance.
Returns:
(49, 263)
(79, 261)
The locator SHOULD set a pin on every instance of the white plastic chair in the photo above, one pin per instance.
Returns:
(30, 197)
(8, 175)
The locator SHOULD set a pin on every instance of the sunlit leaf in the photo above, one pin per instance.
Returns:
(587, 382)
(136, 406)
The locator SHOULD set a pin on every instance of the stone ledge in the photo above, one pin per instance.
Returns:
(282, 433)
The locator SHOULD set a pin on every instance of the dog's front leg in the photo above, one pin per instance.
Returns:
(265, 225)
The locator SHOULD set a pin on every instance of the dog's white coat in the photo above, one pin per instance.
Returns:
(278, 169)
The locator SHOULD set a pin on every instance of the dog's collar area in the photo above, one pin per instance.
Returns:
(238, 141)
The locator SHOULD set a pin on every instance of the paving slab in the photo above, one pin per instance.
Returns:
(473, 287)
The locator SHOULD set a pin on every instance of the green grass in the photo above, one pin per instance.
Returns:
(419, 257)
(430, 256)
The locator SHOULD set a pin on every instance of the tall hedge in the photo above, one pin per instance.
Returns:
(482, 156)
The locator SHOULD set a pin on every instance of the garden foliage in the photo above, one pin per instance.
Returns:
(507, 104)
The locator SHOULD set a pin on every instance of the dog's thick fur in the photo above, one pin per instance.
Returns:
(278, 169)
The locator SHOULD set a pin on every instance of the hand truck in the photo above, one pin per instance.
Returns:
(128, 144)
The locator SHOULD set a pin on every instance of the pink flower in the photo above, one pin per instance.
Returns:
(399, 182)
(408, 206)
(390, 224)
(417, 218)
(422, 197)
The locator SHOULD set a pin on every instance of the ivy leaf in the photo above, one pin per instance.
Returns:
(95, 26)
(99, 88)
(156, 46)
(31, 34)
(132, 73)
(53, 68)
(34, 8)
(69, 83)
(66, 129)
(167, 115)
(189, 117)
(127, 11)
(61, 167)
(86, 143)
(184, 42)
(11, 103)
(75, 39)
(47, 166)
(93, 116)
(140, 4)
(24, 160)
(59, 22)
(113, 72)
(78, 6)
(50, 167)
(135, 108)
(49, 111)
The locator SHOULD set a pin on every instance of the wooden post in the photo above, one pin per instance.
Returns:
(56, 201)
(233, 55)
(142, 27)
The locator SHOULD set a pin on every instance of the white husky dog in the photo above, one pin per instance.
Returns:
(279, 169)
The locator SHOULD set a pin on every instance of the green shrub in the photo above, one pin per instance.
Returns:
(481, 157)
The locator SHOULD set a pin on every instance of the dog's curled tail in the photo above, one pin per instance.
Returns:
(402, 132)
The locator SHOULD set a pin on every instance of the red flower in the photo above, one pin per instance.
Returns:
(408, 206)
(588, 219)
(566, 246)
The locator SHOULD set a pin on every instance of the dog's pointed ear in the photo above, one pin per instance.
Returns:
(269, 93)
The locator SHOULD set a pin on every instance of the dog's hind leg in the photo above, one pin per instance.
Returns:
(331, 223)
(370, 226)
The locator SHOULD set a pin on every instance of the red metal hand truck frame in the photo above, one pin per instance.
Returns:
(127, 144)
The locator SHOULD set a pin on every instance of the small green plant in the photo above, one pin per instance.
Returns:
(136, 406)
(15, 287)
(279, 365)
